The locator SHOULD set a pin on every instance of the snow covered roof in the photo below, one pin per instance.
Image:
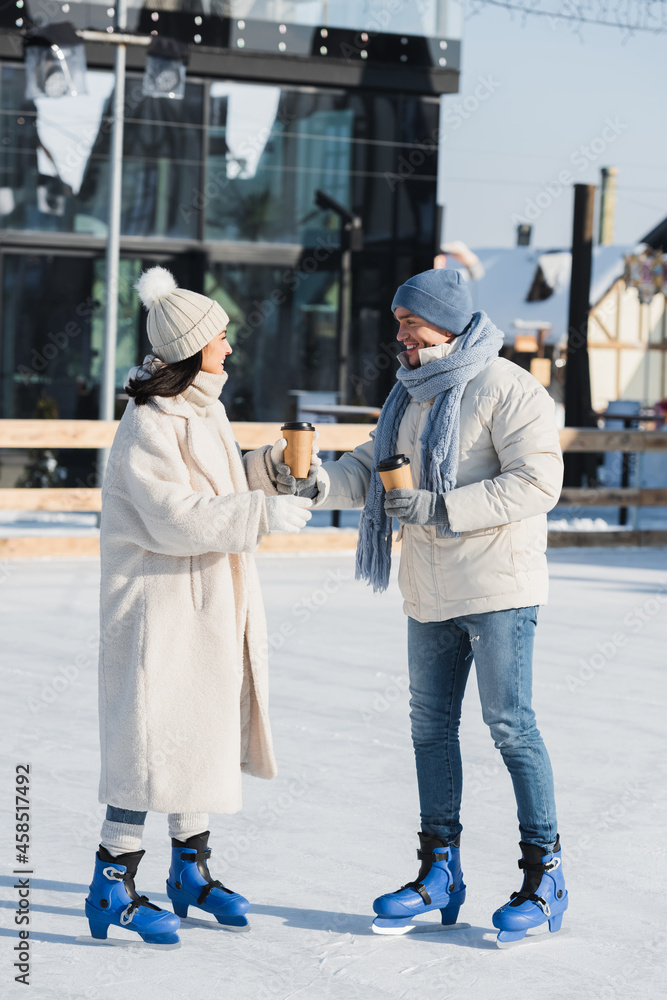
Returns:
(511, 271)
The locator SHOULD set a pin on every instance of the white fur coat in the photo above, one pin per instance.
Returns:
(181, 610)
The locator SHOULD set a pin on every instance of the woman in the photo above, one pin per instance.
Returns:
(183, 651)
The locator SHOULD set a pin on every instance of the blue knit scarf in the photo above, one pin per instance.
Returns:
(443, 381)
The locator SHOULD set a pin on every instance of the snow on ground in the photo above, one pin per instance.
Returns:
(338, 826)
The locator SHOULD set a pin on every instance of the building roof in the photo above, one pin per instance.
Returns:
(511, 272)
(657, 238)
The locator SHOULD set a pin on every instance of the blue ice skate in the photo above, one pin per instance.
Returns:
(542, 898)
(190, 884)
(438, 886)
(112, 899)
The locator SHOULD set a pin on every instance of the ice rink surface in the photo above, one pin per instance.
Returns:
(338, 826)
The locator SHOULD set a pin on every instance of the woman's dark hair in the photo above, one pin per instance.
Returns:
(169, 380)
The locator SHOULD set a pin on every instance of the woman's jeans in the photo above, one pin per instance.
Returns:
(440, 655)
(132, 816)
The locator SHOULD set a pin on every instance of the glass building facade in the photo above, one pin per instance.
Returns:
(219, 187)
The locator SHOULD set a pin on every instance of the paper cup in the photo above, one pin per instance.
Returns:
(395, 473)
(299, 437)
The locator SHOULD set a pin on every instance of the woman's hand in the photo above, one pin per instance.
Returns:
(288, 514)
(285, 482)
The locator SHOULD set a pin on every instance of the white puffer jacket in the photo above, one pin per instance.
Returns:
(510, 475)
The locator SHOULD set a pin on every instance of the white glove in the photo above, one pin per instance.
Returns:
(288, 514)
(282, 476)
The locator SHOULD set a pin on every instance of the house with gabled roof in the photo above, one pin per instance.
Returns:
(526, 290)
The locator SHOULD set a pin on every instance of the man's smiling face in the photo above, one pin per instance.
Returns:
(416, 333)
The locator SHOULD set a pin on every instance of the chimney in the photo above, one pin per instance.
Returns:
(523, 233)
(607, 205)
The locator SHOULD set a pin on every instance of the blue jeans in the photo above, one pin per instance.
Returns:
(131, 816)
(440, 655)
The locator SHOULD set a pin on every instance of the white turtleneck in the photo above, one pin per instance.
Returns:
(202, 394)
(427, 354)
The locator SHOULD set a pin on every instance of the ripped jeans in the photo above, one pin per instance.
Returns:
(440, 655)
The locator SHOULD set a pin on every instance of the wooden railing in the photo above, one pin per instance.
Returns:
(94, 434)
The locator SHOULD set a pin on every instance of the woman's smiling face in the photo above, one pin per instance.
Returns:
(214, 354)
(416, 333)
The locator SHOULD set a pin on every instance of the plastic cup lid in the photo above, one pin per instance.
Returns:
(393, 462)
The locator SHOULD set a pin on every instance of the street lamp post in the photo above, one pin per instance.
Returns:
(108, 383)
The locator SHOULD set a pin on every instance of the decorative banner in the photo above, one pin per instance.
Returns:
(646, 273)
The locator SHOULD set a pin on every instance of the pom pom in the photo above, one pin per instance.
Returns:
(154, 285)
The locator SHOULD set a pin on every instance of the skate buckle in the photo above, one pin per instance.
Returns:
(544, 906)
(113, 874)
(126, 915)
(553, 864)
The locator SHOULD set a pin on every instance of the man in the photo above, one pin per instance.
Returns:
(486, 466)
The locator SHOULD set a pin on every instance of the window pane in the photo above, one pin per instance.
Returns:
(54, 159)
(426, 17)
(161, 163)
(283, 333)
(47, 355)
(270, 150)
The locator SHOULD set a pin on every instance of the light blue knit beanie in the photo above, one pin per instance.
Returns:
(440, 296)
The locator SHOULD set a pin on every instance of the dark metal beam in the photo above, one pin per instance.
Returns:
(578, 408)
(267, 67)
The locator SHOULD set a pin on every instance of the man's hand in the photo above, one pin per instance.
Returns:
(416, 507)
(285, 482)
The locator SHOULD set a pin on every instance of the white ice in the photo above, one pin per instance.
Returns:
(338, 826)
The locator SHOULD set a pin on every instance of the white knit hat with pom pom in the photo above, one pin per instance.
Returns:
(179, 322)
